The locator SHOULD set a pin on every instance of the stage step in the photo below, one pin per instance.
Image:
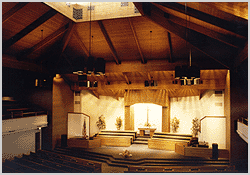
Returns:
(141, 140)
(148, 162)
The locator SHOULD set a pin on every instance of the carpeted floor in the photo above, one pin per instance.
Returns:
(139, 151)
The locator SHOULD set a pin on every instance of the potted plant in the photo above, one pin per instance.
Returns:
(84, 135)
(118, 123)
(101, 122)
(175, 124)
(195, 129)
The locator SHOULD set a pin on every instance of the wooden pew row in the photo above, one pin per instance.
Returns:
(108, 140)
(117, 138)
(118, 134)
(91, 166)
(181, 169)
(7, 169)
(76, 167)
(120, 131)
(167, 141)
(40, 165)
(18, 167)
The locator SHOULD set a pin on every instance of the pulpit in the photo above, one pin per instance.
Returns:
(142, 131)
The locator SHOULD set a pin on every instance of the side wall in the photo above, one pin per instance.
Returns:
(239, 109)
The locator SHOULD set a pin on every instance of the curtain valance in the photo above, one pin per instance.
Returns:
(156, 96)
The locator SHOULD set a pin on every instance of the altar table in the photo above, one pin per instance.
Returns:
(142, 131)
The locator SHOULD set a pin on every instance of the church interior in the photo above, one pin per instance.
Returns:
(124, 87)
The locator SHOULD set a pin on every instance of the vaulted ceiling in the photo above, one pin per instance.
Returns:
(137, 45)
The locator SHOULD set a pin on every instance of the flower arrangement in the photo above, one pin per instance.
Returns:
(118, 123)
(175, 124)
(101, 122)
(195, 126)
(125, 154)
(84, 135)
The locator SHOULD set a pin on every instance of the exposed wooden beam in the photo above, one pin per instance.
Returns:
(149, 76)
(241, 28)
(231, 40)
(29, 28)
(126, 78)
(158, 16)
(104, 79)
(12, 62)
(43, 42)
(95, 93)
(115, 94)
(170, 48)
(243, 55)
(68, 35)
(136, 41)
(79, 41)
(13, 10)
(109, 42)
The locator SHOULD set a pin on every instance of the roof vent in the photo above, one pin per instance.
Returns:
(124, 4)
(136, 10)
(77, 13)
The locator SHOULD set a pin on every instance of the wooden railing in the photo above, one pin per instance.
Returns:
(242, 128)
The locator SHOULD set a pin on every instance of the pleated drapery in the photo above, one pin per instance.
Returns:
(156, 96)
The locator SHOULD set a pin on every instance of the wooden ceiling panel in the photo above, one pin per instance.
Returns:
(7, 6)
(47, 48)
(188, 20)
(239, 9)
(37, 35)
(99, 46)
(24, 17)
(122, 38)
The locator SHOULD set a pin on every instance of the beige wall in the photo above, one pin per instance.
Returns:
(109, 107)
(63, 102)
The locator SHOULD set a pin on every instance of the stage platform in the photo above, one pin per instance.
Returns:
(141, 156)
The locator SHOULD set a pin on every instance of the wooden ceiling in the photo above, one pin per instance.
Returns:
(146, 46)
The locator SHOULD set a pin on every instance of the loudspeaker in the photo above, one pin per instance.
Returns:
(64, 140)
(215, 151)
(153, 83)
(146, 83)
(100, 66)
(83, 84)
(90, 65)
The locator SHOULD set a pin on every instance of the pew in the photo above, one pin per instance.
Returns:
(117, 138)
(167, 141)
(180, 169)
(90, 166)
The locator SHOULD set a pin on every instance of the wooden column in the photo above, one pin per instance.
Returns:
(227, 111)
(127, 118)
(166, 117)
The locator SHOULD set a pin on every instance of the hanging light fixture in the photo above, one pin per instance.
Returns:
(188, 75)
